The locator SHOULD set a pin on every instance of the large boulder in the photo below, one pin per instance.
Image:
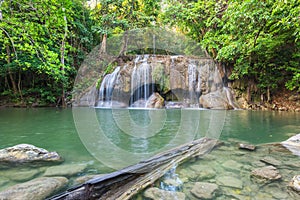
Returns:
(215, 100)
(293, 144)
(23, 153)
(155, 101)
(36, 189)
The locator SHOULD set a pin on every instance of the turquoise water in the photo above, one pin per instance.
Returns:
(75, 135)
(54, 129)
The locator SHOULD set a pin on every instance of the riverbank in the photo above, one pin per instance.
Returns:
(282, 101)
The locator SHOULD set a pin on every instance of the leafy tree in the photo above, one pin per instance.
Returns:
(39, 43)
(258, 39)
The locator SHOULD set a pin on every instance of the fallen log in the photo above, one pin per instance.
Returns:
(123, 184)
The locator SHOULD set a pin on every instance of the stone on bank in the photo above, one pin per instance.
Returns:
(37, 189)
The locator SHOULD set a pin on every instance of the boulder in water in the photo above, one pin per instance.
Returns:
(155, 101)
(24, 153)
(65, 170)
(293, 144)
(158, 194)
(37, 189)
(203, 190)
(267, 173)
(295, 183)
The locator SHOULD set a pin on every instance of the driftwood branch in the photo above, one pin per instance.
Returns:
(123, 184)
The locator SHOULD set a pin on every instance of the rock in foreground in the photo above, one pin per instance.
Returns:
(36, 189)
(203, 190)
(293, 144)
(267, 173)
(158, 194)
(23, 153)
(295, 183)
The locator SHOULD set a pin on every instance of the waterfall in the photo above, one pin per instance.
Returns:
(106, 88)
(194, 84)
(180, 82)
(141, 87)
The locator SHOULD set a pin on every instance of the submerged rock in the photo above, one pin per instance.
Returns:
(16, 174)
(158, 194)
(293, 144)
(229, 181)
(270, 160)
(65, 170)
(249, 147)
(203, 190)
(295, 183)
(267, 173)
(23, 153)
(36, 189)
(83, 179)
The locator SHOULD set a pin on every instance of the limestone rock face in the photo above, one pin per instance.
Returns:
(155, 101)
(27, 153)
(36, 189)
(158, 194)
(215, 100)
(267, 173)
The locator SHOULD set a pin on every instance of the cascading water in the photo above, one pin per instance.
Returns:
(182, 81)
(194, 83)
(141, 82)
(106, 89)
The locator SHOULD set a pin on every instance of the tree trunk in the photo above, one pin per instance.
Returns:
(11, 77)
(127, 182)
(249, 91)
(103, 44)
(124, 45)
(19, 86)
(62, 49)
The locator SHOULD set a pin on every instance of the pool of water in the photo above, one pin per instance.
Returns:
(101, 138)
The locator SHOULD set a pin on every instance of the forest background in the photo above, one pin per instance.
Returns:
(43, 43)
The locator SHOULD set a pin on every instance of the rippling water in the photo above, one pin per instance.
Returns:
(135, 131)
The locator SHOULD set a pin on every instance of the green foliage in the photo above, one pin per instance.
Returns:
(45, 40)
(260, 39)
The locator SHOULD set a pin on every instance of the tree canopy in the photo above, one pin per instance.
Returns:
(43, 43)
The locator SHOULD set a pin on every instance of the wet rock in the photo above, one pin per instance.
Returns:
(171, 184)
(203, 190)
(270, 160)
(293, 144)
(23, 174)
(27, 153)
(230, 181)
(36, 189)
(203, 172)
(158, 194)
(295, 183)
(155, 101)
(83, 179)
(267, 173)
(249, 147)
(215, 100)
(3, 181)
(231, 165)
(65, 170)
